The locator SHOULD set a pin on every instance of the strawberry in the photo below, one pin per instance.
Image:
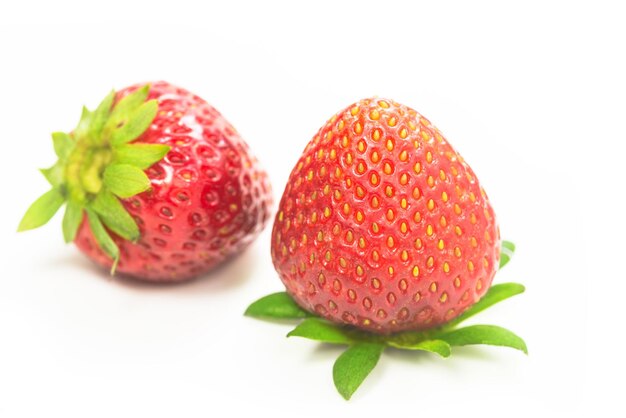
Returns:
(383, 225)
(158, 185)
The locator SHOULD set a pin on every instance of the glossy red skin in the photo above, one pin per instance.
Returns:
(209, 197)
(335, 262)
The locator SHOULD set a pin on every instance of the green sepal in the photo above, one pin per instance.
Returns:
(506, 253)
(54, 174)
(354, 365)
(71, 220)
(139, 155)
(100, 117)
(484, 334)
(103, 238)
(125, 107)
(63, 145)
(320, 330)
(276, 306)
(125, 180)
(42, 210)
(82, 129)
(136, 125)
(436, 346)
(114, 215)
(495, 294)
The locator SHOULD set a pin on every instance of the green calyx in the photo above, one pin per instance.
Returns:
(365, 348)
(97, 165)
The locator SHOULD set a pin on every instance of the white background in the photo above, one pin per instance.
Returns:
(532, 94)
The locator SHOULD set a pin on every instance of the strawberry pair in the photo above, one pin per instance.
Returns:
(383, 236)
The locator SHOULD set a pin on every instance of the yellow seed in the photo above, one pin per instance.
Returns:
(416, 193)
(455, 172)
(404, 203)
(348, 182)
(360, 168)
(358, 128)
(442, 175)
(336, 229)
(446, 267)
(415, 271)
(359, 216)
(390, 242)
(375, 157)
(326, 189)
(417, 168)
(430, 261)
(360, 192)
(440, 244)
(389, 191)
(417, 297)
(375, 283)
(327, 212)
(344, 141)
(473, 242)
(333, 154)
(342, 262)
(458, 231)
(404, 179)
(392, 121)
(313, 217)
(457, 282)
(457, 209)
(375, 202)
(417, 217)
(479, 285)
(402, 284)
(375, 255)
(362, 242)
(390, 215)
(431, 181)
(359, 270)
(349, 237)
(383, 104)
(443, 297)
(374, 114)
(485, 262)
(374, 179)
(404, 255)
(457, 252)
(354, 110)
(472, 197)
(403, 133)
(443, 221)
(341, 124)
(304, 239)
(375, 228)
(346, 208)
(487, 236)
(429, 230)
(473, 218)
(429, 157)
(337, 194)
(387, 169)
(470, 266)
(281, 216)
(328, 256)
(433, 287)
(404, 228)
(320, 154)
(361, 146)
(376, 134)
(309, 175)
(338, 172)
(418, 243)
(351, 294)
(425, 135)
(349, 158)
(389, 145)
(444, 196)
(320, 236)
(321, 279)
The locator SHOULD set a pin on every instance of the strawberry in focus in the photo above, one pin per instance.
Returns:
(158, 185)
(382, 224)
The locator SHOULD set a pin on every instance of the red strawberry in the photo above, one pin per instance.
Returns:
(157, 182)
(383, 225)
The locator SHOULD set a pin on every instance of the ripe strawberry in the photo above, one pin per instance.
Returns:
(383, 225)
(157, 183)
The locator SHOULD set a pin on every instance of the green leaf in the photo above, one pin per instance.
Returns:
(354, 365)
(63, 145)
(138, 122)
(125, 180)
(101, 115)
(140, 155)
(484, 334)
(114, 215)
(277, 305)
(103, 238)
(82, 128)
(54, 174)
(71, 220)
(434, 346)
(42, 210)
(506, 253)
(320, 330)
(495, 294)
(126, 106)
